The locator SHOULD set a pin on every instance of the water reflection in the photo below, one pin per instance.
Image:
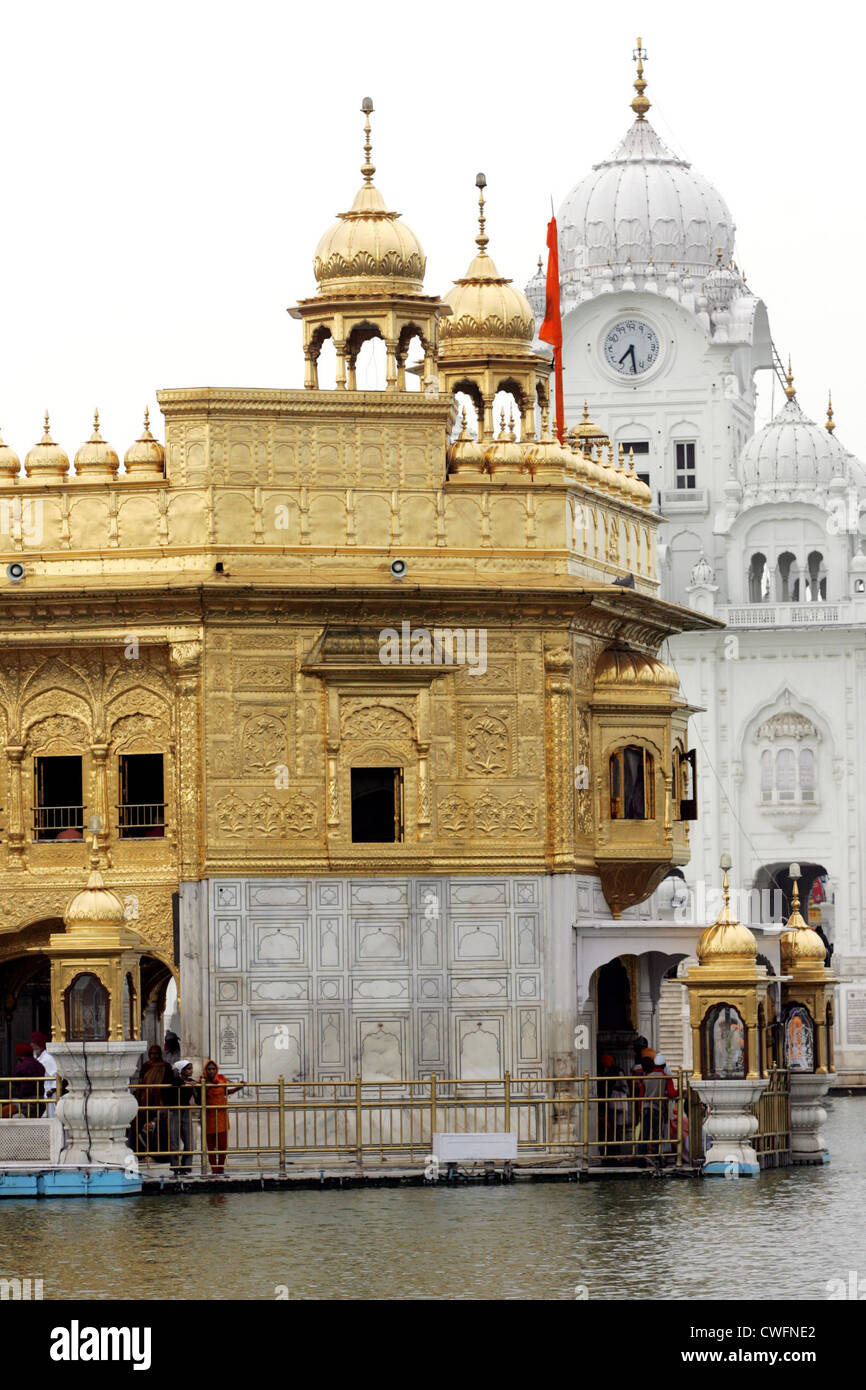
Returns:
(783, 1235)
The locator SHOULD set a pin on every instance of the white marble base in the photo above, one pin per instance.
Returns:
(808, 1089)
(98, 1107)
(729, 1126)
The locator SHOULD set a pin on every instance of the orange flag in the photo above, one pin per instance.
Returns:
(551, 330)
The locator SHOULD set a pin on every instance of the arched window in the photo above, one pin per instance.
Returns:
(766, 775)
(632, 784)
(816, 583)
(788, 584)
(807, 774)
(759, 579)
(723, 1043)
(799, 1039)
(786, 775)
(86, 1010)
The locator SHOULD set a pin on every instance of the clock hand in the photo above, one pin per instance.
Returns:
(629, 352)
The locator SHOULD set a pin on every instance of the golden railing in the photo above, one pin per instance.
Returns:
(590, 1121)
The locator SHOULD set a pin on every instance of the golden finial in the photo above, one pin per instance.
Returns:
(368, 169)
(719, 256)
(481, 240)
(540, 266)
(46, 438)
(621, 455)
(789, 389)
(585, 420)
(95, 423)
(831, 423)
(501, 434)
(640, 105)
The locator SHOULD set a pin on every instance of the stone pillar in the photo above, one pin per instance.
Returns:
(15, 830)
(195, 968)
(101, 801)
(808, 1089)
(186, 666)
(95, 1113)
(559, 752)
(340, 348)
(730, 1125)
(311, 371)
(390, 364)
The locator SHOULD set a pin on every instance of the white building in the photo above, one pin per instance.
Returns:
(764, 530)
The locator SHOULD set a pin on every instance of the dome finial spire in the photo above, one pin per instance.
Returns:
(831, 423)
(482, 239)
(368, 169)
(640, 104)
(790, 390)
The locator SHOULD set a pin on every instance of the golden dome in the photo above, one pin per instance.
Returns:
(619, 666)
(146, 457)
(10, 464)
(95, 905)
(727, 939)
(586, 431)
(801, 948)
(486, 308)
(96, 460)
(464, 450)
(46, 459)
(368, 243)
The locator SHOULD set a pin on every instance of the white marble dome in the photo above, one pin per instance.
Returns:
(791, 453)
(642, 204)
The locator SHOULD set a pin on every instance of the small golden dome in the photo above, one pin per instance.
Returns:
(146, 457)
(587, 432)
(620, 666)
(95, 905)
(801, 946)
(464, 450)
(10, 464)
(46, 459)
(485, 306)
(96, 461)
(369, 243)
(727, 939)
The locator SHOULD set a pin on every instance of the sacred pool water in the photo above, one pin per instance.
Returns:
(787, 1234)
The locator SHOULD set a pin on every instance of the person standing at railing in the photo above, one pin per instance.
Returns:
(184, 1097)
(659, 1091)
(216, 1094)
(49, 1066)
(26, 1089)
(154, 1094)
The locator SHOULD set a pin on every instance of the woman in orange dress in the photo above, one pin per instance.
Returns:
(217, 1092)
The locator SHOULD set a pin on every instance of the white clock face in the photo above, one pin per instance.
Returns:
(631, 347)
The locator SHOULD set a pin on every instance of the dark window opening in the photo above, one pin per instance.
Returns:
(58, 810)
(686, 784)
(377, 805)
(632, 784)
(86, 1010)
(141, 809)
(638, 447)
(685, 474)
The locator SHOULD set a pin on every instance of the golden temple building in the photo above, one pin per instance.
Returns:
(358, 692)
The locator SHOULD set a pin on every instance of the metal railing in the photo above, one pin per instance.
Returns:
(590, 1121)
(51, 821)
(141, 820)
(269, 1125)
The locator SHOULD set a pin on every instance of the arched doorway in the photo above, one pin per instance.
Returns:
(155, 979)
(773, 890)
(25, 988)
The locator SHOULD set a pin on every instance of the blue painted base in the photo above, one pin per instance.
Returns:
(721, 1170)
(70, 1182)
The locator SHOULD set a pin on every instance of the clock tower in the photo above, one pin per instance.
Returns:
(661, 334)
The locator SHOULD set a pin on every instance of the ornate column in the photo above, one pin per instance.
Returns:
(15, 830)
(559, 756)
(186, 666)
(311, 370)
(390, 364)
(101, 802)
(340, 347)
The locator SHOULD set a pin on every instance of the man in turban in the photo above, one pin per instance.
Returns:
(27, 1090)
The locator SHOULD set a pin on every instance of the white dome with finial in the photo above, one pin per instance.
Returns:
(792, 453)
(645, 204)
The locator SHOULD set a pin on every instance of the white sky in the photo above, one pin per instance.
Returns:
(167, 170)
